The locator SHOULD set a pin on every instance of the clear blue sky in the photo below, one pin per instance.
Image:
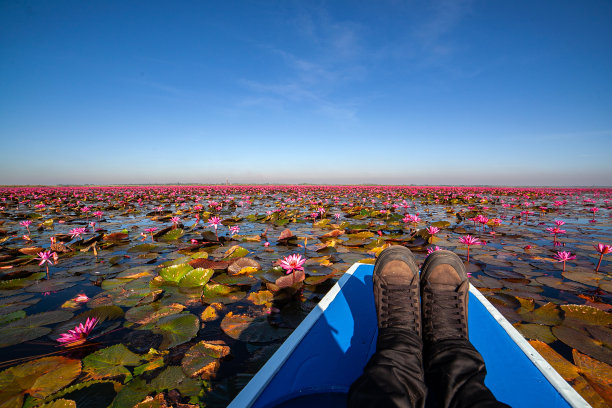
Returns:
(423, 92)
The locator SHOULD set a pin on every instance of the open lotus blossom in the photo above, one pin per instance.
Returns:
(175, 221)
(214, 222)
(81, 298)
(77, 232)
(292, 263)
(26, 224)
(563, 256)
(48, 258)
(602, 249)
(469, 240)
(433, 230)
(234, 229)
(431, 249)
(151, 231)
(79, 334)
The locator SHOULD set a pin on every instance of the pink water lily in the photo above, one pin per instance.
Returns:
(48, 258)
(433, 230)
(79, 334)
(563, 256)
(26, 224)
(292, 263)
(602, 249)
(151, 231)
(234, 229)
(175, 221)
(469, 240)
(215, 222)
(431, 249)
(77, 232)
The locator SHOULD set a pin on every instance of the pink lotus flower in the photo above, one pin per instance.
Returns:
(602, 249)
(563, 256)
(26, 224)
(214, 222)
(77, 232)
(433, 230)
(266, 244)
(559, 223)
(79, 334)
(175, 221)
(98, 214)
(234, 229)
(48, 258)
(81, 298)
(293, 262)
(431, 250)
(469, 240)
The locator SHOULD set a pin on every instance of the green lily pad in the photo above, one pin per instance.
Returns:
(110, 362)
(251, 329)
(152, 312)
(39, 378)
(235, 251)
(130, 395)
(175, 273)
(225, 279)
(60, 403)
(196, 277)
(177, 329)
(172, 235)
(11, 317)
(216, 293)
(172, 378)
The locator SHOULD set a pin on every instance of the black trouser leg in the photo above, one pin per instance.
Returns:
(455, 373)
(394, 375)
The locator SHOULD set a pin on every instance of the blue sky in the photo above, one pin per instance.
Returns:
(398, 92)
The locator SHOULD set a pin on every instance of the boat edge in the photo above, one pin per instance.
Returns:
(257, 384)
(563, 388)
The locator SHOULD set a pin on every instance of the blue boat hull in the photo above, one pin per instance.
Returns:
(318, 363)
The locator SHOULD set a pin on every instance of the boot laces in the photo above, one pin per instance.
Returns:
(445, 311)
(400, 306)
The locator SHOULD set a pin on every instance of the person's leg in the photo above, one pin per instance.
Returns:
(394, 375)
(454, 370)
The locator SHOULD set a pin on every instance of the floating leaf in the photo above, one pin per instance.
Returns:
(263, 297)
(196, 277)
(216, 293)
(549, 314)
(110, 362)
(177, 329)
(39, 378)
(30, 328)
(211, 312)
(54, 284)
(598, 374)
(566, 369)
(536, 332)
(172, 235)
(235, 251)
(583, 343)
(203, 359)
(585, 277)
(243, 265)
(247, 328)
(152, 312)
(60, 403)
(174, 378)
(175, 273)
(131, 394)
(588, 314)
(226, 279)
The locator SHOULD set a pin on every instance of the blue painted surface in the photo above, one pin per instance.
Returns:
(333, 353)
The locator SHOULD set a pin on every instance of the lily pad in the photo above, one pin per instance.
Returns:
(536, 332)
(39, 378)
(235, 251)
(175, 273)
(566, 369)
(110, 362)
(54, 284)
(177, 329)
(31, 327)
(152, 312)
(588, 314)
(172, 378)
(172, 235)
(582, 342)
(251, 329)
(196, 277)
(598, 374)
(202, 359)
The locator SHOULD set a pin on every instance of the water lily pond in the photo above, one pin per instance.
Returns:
(177, 295)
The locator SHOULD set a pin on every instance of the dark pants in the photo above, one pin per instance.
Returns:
(397, 374)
